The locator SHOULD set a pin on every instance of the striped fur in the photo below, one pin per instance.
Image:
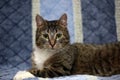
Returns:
(101, 60)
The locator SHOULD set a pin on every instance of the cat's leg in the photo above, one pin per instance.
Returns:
(34, 71)
(41, 73)
(53, 69)
(58, 65)
(20, 75)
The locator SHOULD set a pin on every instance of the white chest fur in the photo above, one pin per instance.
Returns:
(40, 56)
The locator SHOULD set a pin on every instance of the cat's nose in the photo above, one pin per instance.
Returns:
(52, 43)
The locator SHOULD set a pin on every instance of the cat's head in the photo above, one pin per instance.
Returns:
(52, 34)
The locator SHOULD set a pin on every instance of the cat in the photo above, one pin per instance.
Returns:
(54, 56)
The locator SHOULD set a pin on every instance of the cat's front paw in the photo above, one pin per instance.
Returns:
(23, 75)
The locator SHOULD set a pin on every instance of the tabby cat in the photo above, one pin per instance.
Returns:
(54, 56)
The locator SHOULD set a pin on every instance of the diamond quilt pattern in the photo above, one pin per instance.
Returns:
(98, 21)
(15, 36)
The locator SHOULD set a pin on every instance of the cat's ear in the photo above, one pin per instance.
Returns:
(63, 20)
(39, 21)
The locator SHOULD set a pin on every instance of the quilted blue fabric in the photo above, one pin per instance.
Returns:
(99, 21)
(15, 37)
(16, 31)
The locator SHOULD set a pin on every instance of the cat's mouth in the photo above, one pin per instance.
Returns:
(55, 47)
(52, 47)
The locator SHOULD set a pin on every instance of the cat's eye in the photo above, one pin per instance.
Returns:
(59, 35)
(45, 36)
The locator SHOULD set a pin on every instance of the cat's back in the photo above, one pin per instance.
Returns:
(87, 47)
(97, 59)
(91, 51)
